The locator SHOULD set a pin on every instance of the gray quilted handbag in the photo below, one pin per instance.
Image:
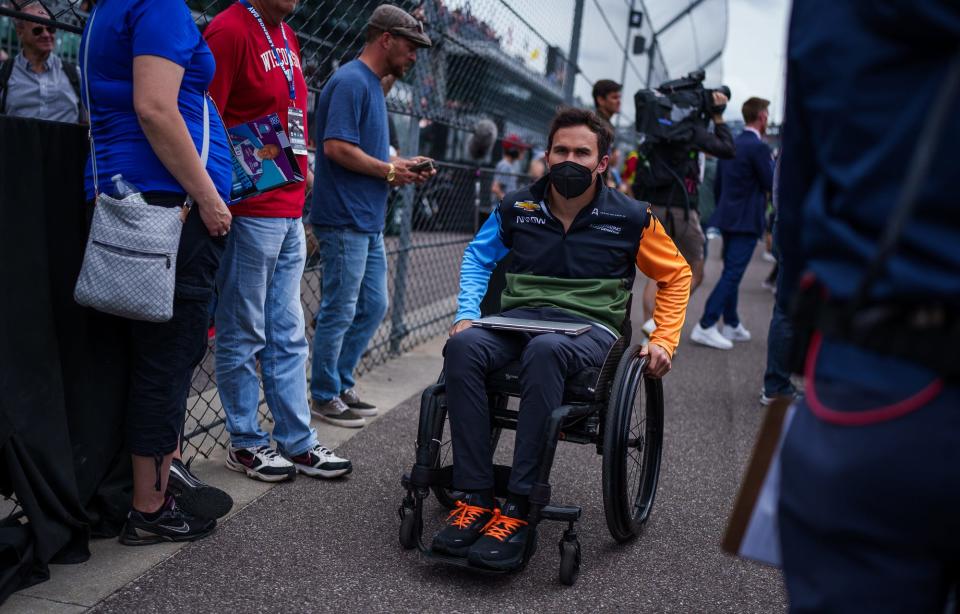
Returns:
(130, 262)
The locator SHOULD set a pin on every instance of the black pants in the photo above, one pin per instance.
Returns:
(546, 359)
(163, 355)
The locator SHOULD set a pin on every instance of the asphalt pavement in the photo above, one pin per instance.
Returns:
(332, 546)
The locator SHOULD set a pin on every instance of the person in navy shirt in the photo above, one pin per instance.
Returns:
(870, 465)
(354, 172)
(146, 69)
(741, 189)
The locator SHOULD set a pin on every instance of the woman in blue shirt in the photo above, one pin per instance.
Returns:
(148, 69)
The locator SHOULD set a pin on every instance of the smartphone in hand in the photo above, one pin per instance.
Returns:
(419, 167)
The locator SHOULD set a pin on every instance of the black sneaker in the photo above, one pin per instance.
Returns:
(503, 542)
(193, 496)
(319, 462)
(171, 525)
(464, 526)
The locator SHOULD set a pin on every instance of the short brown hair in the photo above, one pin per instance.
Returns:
(603, 87)
(569, 117)
(373, 33)
(753, 107)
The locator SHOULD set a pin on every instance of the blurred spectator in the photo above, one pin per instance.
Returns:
(613, 174)
(538, 166)
(507, 170)
(776, 378)
(386, 84)
(354, 175)
(741, 188)
(259, 314)
(36, 83)
(606, 98)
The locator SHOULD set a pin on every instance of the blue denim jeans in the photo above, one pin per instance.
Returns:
(353, 304)
(259, 315)
(737, 250)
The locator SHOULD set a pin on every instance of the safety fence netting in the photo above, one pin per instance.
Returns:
(491, 61)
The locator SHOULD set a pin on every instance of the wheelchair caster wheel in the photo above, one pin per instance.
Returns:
(408, 530)
(569, 561)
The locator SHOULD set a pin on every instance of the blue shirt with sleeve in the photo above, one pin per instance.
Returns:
(123, 30)
(351, 108)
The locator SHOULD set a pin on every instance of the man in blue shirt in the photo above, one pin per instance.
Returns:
(741, 189)
(354, 172)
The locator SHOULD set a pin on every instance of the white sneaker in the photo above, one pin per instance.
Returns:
(710, 337)
(765, 400)
(735, 334)
(263, 463)
(319, 462)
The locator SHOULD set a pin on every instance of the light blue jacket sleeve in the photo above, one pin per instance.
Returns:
(479, 260)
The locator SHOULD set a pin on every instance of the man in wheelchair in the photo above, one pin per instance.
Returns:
(576, 245)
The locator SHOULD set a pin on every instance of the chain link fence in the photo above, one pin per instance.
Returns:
(488, 62)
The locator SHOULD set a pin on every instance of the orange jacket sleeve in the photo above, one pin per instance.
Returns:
(660, 260)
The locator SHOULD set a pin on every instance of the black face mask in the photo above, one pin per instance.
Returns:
(571, 179)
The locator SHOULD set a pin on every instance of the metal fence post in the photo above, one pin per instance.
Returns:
(574, 53)
(398, 328)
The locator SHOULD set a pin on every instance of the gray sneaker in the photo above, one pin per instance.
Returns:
(336, 412)
(352, 399)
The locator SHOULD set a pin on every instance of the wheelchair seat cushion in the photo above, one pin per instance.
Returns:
(579, 387)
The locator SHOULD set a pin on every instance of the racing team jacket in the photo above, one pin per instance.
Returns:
(587, 270)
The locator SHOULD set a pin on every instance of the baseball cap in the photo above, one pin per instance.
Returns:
(395, 20)
(513, 142)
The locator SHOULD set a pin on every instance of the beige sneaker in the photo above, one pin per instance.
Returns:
(336, 412)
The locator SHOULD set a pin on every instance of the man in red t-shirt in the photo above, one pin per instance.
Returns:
(259, 314)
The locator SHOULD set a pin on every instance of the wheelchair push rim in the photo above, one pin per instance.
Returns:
(632, 446)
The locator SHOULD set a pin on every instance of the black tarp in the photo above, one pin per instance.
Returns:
(62, 367)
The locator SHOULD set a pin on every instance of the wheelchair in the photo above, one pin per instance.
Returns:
(614, 408)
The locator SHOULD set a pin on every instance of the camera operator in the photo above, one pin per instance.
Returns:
(668, 177)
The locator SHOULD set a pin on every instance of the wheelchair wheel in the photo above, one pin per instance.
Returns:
(632, 444)
(569, 561)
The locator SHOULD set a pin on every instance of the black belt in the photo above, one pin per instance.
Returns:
(927, 333)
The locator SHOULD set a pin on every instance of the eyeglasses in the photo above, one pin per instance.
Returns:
(37, 31)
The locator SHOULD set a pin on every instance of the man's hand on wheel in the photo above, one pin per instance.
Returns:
(460, 326)
(658, 363)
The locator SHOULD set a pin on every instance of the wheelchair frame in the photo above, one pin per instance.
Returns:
(602, 418)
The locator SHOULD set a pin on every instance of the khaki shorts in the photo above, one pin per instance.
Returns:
(686, 233)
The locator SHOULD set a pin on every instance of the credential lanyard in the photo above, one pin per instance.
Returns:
(288, 69)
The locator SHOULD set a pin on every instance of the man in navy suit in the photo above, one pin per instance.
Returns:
(741, 191)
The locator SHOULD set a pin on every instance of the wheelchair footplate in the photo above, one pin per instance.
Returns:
(429, 556)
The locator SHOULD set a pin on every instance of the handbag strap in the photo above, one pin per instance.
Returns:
(204, 150)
